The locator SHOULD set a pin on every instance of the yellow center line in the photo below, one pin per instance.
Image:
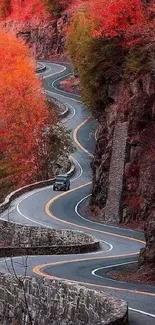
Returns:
(76, 139)
(50, 214)
(39, 268)
(39, 272)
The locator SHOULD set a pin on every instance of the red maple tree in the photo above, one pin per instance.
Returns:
(23, 115)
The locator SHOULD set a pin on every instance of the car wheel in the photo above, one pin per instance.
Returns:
(68, 188)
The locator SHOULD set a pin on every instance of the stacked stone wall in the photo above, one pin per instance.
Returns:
(43, 302)
(40, 68)
(116, 173)
(16, 240)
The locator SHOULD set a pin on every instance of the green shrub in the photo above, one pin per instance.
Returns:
(136, 61)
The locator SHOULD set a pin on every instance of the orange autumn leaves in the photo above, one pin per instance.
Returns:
(17, 9)
(23, 113)
(28, 9)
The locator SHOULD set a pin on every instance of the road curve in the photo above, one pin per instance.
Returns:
(44, 207)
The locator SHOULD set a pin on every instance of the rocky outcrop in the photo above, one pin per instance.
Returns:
(147, 254)
(46, 38)
(134, 103)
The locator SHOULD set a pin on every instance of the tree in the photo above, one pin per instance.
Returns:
(116, 18)
(108, 42)
(54, 149)
(93, 58)
(24, 114)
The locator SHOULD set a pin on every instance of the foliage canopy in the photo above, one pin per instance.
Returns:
(107, 42)
(27, 126)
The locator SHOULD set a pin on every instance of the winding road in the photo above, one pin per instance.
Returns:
(43, 207)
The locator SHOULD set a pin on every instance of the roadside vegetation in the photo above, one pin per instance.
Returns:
(110, 41)
(30, 132)
(56, 6)
(30, 8)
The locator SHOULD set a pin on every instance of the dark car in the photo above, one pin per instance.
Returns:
(62, 183)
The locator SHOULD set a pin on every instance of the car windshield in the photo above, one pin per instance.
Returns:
(61, 178)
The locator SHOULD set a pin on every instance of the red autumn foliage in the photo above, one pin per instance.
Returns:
(28, 9)
(24, 9)
(23, 114)
(129, 21)
(134, 202)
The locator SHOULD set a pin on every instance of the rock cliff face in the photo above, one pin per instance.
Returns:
(133, 103)
(46, 38)
(147, 254)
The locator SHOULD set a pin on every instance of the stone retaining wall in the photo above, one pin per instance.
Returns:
(62, 108)
(57, 303)
(116, 173)
(40, 68)
(49, 250)
(22, 190)
(17, 240)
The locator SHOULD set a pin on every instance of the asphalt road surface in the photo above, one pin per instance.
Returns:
(44, 207)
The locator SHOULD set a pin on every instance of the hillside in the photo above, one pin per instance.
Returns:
(22, 10)
(120, 94)
(30, 9)
(112, 45)
(42, 25)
